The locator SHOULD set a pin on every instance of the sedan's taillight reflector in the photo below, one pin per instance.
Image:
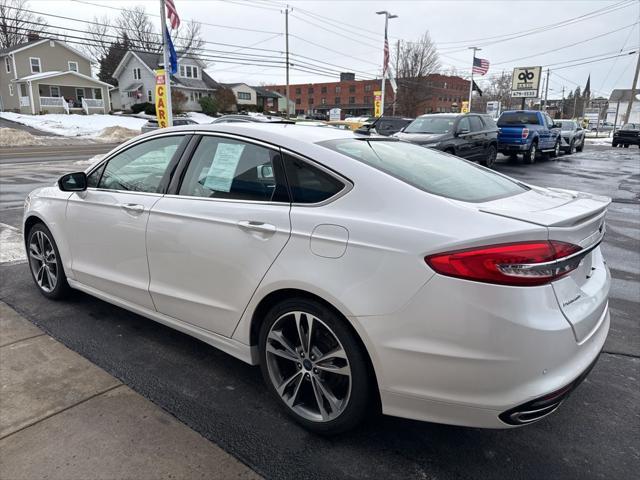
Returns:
(517, 264)
(525, 133)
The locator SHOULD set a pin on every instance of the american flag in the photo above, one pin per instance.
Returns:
(172, 14)
(385, 60)
(480, 66)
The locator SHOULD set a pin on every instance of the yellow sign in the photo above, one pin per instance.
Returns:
(161, 99)
(465, 107)
(377, 103)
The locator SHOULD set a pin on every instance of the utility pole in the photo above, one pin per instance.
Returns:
(167, 66)
(395, 95)
(475, 49)
(385, 59)
(286, 49)
(546, 93)
(562, 103)
(633, 91)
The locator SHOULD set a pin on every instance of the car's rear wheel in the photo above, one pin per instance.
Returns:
(530, 155)
(314, 365)
(45, 263)
(490, 158)
(626, 145)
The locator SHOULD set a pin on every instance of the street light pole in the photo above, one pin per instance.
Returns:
(385, 58)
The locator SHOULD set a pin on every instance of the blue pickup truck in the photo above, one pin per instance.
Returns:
(528, 132)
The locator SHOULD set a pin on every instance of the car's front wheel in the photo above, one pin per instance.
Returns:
(45, 263)
(572, 148)
(312, 362)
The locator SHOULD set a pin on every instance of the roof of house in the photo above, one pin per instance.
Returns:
(621, 95)
(19, 46)
(32, 43)
(50, 74)
(232, 85)
(263, 92)
(154, 60)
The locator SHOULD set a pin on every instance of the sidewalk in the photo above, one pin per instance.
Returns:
(61, 417)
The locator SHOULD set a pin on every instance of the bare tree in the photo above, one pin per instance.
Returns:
(188, 39)
(136, 24)
(99, 38)
(500, 90)
(17, 24)
(416, 61)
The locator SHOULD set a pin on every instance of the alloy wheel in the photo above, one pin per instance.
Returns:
(308, 366)
(43, 261)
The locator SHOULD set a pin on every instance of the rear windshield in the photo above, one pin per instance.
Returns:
(518, 118)
(429, 170)
(430, 125)
(630, 126)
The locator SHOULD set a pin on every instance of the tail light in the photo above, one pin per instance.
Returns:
(517, 264)
(525, 133)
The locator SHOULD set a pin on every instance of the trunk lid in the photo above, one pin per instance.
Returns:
(576, 218)
(510, 134)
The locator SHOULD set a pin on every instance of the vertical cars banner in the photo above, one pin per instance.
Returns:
(161, 99)
(377, 103)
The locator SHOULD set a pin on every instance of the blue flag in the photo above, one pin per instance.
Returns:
(173, 58)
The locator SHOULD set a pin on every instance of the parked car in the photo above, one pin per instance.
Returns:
(152, 124)
(469, 136)
(385, 125)
(243, 118)
(418, 282)
(629, 134)
(528, 132)
(571, 136)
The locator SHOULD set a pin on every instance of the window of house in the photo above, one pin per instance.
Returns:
(309, 184)
(231, 169)
(310, 101)
(352, 99)
(244, 95)
(368, 87)
(367, 99)
(352, 89)
(338, 89)
(137, 74)
(298, 91)
(323, 90)
(11, 89)
(310, 90)
(189, 71)
(23, 89)
(149, 96)
(337, 101)
(35, 65)
(54, 91)
(73, 66)
(298, 101)
(323, 101)
(7, 64)
(79, 93)
(97, 93)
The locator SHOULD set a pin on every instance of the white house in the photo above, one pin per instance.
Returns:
(136, 79)
(245, 95)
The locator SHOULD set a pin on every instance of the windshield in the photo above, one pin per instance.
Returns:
(430, 125)
(518, 118)
(565, 125)
(429, 170)
(630, 126)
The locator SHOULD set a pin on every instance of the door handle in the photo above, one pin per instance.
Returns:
(133, 208)
(257, 226)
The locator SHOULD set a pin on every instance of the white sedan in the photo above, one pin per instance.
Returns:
(359, 272)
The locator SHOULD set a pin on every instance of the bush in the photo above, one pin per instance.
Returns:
(139, 107)
(150, 109)
(209, 106)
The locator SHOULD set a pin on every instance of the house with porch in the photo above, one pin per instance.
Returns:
(49, 76)
(136, 79)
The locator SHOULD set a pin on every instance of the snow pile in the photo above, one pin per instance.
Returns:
(75, 125)
(12, 250)
(116, 134)
(598, 141)
(10, 137)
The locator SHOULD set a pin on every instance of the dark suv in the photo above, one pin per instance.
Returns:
(387, 126)
(471, 136)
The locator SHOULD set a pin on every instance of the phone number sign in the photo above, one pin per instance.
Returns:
(525, 81)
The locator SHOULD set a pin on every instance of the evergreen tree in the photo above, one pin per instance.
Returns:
(110, 61)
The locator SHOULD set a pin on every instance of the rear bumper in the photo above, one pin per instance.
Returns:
(512, 147)
(474, 357)
(626, 140)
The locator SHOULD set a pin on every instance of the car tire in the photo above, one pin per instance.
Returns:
(490, 158)
(626, 145)
(556, 150)
(580, 147)
(529, 156)
(572, 148)
(45, 264)
(300, 381)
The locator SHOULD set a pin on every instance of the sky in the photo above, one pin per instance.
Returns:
(347, 35)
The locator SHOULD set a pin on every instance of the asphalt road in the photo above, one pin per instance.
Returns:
(595, 434)
(52, 153)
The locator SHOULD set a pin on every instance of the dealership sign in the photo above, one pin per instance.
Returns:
(525, 82)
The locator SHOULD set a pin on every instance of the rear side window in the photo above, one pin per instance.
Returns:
(429, 170)
(489, 122)
(518, 118)
(309, 184)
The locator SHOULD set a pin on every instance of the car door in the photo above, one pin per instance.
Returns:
(212, 239)
(547, 134)
(478, 137)
(463, 142)
(108, 221)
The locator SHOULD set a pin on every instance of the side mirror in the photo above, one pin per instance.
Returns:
(73, 182)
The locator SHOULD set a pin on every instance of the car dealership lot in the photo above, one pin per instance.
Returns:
(595, 434)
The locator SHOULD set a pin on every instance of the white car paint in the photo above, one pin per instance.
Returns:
(443, 349)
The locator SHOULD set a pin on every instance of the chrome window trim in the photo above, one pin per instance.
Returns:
(132, 192)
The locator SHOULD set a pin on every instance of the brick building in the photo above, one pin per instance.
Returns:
(355, 97)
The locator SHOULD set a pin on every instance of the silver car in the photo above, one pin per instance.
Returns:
(571, 136)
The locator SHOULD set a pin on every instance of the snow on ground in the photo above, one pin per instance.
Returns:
(12, 250)
(13, 137)
(602, 139)
(88, 126)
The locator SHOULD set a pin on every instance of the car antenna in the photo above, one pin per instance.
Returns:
(366, 129)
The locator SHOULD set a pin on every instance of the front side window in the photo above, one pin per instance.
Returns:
(309, 184)
(225, 168)
(35, 65)
(476, 124)
(141, 167)
(429, 170)
(464, 125)
(437, 124)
